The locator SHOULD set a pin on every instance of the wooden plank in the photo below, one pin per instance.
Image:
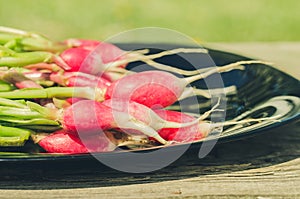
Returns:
(285, 55)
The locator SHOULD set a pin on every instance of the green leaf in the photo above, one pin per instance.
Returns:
(35, 121)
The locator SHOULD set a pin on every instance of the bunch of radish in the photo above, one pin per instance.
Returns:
(77, 96)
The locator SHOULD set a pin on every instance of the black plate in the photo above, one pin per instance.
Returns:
(262, 91)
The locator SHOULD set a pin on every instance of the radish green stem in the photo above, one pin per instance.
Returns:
(11, 103)
(58, 92)
(45, 112)
(6, 86)
(18, 32)
(28, 41)
(10, 121)
(4, 38)
(17, 113)
(44, 127)
(26, 58)
(4, 51)
(11, 136)
(32, 44)
(21, 113)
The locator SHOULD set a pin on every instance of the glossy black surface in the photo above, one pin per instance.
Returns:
(257, 84)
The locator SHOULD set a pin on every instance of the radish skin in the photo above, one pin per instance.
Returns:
(88, 117)
(90, 58)
(150, 88)
(155, 88)
(74, 57)
(144, 114)
(72, 79)
(184, 134)
(63, 142)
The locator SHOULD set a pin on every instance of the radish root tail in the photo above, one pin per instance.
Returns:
(134, 56)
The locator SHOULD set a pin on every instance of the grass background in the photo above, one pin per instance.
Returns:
(208, 21)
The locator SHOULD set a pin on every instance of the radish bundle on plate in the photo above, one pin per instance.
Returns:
(78, 96)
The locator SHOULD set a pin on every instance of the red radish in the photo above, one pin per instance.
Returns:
(155, 88)
(109, 52)
(89, 117)
(149, 88)
(72, 79)
(143, 114)
(74, 57)
(185, 134)
(92, 60)
(63, 142)
(93, 57)
(197, 131)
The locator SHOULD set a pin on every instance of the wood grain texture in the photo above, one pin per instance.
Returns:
(262, 167)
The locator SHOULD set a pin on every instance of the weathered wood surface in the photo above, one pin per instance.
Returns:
(284, 55)
(264, 166)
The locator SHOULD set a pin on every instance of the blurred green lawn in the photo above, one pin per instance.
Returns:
(209, 21)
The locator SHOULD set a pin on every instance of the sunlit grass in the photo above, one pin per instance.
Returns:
(212, 21)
